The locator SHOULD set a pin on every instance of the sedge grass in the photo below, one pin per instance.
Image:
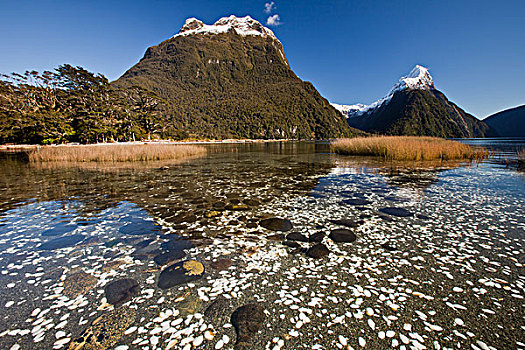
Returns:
(408, 148)
(114, 153)
(521, 158)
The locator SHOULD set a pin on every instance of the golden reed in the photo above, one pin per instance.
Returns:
(408, 148)
(113, 153)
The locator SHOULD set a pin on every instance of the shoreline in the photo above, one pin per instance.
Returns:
(21, 147)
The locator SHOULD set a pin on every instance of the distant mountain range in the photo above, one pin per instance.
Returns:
(414, 107)
(507, 123)
(232, 80)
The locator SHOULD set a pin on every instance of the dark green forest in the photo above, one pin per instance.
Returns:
(72, 104)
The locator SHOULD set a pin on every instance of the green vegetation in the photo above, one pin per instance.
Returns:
(407, 148)
(421, 113)
(74, 105)
(113, 153)
(229, 86)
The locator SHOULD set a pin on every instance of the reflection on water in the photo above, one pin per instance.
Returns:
(504, 150)
(429, 235)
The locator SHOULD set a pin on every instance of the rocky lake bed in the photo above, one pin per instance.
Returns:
(266, 246)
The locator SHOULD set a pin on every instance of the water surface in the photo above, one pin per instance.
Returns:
(438, 259)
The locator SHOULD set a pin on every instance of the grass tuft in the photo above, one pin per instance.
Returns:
(521, 158)
(408, 148)
(113, 153)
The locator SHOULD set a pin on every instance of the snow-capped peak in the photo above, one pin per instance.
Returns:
(241, 25)
(419, 78)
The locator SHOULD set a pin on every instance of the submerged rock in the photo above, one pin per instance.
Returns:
(105, 331)
(356, 201)
(112, 265)
(292, 244)
(401, 212)
(78, 283)
(140, 227)
(221, 264)
(180, 273)
(59, 229)
(247, 321)
(62, 242)
(276, 224)
(388, 247)
(218, 310)
(169, 256)
(296, 236)
(348, 222)
(120, 291)
(318, 251)
(316, 237)
(342, 236)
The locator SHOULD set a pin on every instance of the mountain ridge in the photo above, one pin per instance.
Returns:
(413, 106)
(507, 123)
(222, 84)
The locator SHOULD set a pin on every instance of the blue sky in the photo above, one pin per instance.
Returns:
(352, 51)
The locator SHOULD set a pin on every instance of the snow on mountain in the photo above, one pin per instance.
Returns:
(349, 109)
(241, 25)
(419, 78)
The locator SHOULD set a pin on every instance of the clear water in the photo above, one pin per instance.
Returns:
(450, 273)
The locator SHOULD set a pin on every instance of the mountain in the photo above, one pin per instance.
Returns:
(232, 80)
(414, 107)
(508, 123)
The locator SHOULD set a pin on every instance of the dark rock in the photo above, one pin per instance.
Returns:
(144, 243)
(296, 236)
(247, 320)
(218, 310)
(251, 202)
(386, 218)
(388, 247)
(177, 243)
(342, 236)
(356, 201)
(59, 229)
(180, 273)
(401, 212)
(299, 250)
(221, 264)
(276, 237)
(251, 225)
(276, 224)
(139, 226)
(422, 217)
(291, 244)
(396, 199)
(348, 222)
(219, 205)
(318, 251)
(62, 242)
(168, 256)
(316, 237)
(120, 291)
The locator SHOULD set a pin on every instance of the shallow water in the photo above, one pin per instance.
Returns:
(438, 260)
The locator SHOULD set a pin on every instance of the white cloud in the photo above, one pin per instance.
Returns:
(269, 7)
(274, 20)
